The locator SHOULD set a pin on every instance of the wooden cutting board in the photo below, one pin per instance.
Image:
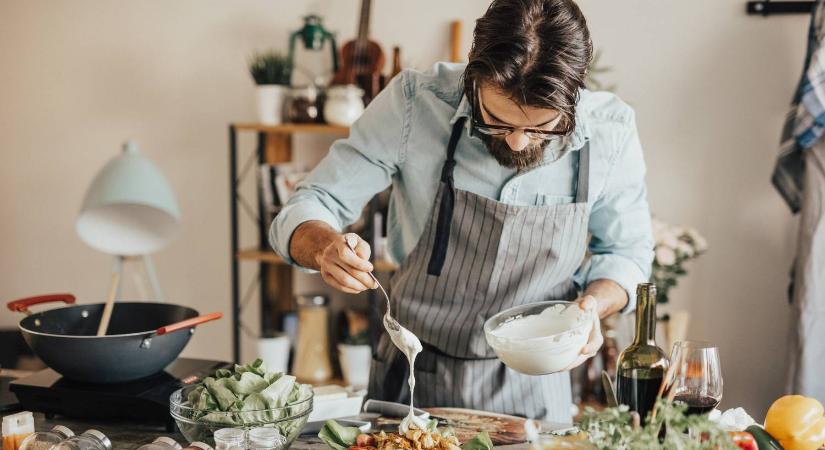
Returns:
(467, 423)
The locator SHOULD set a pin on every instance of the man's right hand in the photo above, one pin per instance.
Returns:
(318, 246)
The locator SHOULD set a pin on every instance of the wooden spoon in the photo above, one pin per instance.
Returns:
(109, 306)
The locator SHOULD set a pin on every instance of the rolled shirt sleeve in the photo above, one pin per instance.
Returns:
(354, 170)
(621, 244)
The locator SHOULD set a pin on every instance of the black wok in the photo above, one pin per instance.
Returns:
(142, 338)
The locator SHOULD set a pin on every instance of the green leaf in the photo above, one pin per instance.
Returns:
(223, 396)
(338, 437)
(277, 393)
(248, 383)
(480, 442)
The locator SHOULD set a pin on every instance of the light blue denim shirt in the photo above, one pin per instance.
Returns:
(401, 140)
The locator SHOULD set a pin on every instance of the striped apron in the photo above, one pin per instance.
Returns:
(476, 257)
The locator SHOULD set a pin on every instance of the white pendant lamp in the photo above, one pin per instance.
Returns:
(129, 210)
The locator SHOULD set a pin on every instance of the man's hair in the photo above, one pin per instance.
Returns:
(535, 51)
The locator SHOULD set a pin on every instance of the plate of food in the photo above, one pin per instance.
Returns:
(339, 437)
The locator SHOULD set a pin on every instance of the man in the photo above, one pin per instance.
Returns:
(500, 170)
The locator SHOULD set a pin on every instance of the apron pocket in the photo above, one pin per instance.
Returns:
(550, 200)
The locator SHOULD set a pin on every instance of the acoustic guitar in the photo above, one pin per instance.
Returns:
(362, 60)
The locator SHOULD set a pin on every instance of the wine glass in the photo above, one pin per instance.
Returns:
(697, 376)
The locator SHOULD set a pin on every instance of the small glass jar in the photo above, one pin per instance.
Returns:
(264, 438)
(44, 440)
(89, 440)
(302, 106)
(230, 439)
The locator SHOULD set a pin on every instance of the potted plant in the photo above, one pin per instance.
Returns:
(272, 72)
(355, 356)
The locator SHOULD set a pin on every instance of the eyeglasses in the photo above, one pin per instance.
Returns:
(534, 134)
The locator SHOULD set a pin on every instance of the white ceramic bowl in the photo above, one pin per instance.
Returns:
(541, 354)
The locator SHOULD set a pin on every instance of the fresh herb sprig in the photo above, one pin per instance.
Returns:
(611, 429)
(270, 68)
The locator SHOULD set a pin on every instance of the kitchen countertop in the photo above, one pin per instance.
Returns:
(131, 435)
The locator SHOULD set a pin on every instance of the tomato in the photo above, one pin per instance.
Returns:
(743, 440)
(364, 440)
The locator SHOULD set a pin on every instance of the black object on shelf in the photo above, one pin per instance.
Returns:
(769, 8)
(145, 400)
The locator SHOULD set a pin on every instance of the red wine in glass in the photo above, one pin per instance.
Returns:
(697, 404)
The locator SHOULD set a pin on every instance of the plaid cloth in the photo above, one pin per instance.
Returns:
(805, 122)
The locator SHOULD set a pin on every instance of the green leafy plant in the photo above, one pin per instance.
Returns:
(611, 429)
(270, 67)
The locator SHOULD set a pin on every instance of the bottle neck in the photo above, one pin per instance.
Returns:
(645, 318)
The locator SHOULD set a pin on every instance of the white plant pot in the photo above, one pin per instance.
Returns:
(355, 363)
(275, 352)
(270, 101)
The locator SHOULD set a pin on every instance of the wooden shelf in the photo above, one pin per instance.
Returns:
(293, 128)
(270, 257)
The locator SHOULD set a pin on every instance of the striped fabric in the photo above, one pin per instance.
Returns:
(499, 255)
(805, 122)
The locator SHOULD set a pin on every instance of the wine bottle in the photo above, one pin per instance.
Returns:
(642, 366)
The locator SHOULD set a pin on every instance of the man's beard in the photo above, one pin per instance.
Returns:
(527, 158)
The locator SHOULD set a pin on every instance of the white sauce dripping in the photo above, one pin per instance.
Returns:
(410, 346)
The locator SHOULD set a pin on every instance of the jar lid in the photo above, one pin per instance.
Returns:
(65, 431)
(99, 436)
(229, 435)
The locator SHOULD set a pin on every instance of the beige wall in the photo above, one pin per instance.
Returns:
(709, 84)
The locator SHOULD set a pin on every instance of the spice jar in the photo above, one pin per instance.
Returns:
(343, 105)
(230, 439)
(44, 440)
(16, 428)
(312, 361)
(89, 440)
(302, 106)
(264, 438)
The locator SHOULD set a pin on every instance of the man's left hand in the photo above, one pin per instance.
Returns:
(595, 340)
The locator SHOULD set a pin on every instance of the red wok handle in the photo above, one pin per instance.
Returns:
(188, 323)
(22, 305)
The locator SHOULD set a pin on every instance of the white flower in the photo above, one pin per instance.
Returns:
(668, 239)
(734, 419)
(665, 256)
(698, 241)
(685, 248)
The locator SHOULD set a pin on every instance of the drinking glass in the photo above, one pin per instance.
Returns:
(697, 376)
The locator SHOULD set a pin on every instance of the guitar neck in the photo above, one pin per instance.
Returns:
(364, 23)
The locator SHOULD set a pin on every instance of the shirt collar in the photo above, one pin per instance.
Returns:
(575, 141)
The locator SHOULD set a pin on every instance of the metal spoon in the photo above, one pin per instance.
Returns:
(389, 322)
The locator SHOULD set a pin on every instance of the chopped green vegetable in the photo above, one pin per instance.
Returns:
(338, 437)
(247, 395)
(480, 442)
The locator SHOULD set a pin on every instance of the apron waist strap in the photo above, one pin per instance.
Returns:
(428, 348)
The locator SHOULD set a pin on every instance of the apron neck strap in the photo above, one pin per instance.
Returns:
(449, 164)
(583, 177)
